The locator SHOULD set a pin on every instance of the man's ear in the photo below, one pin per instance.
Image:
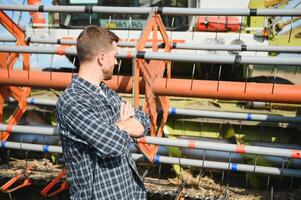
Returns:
(100, 58)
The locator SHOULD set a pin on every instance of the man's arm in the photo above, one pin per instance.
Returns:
(86, 123)
(132, 126)
(134, 122)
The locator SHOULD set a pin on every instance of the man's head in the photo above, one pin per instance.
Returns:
(99, 46)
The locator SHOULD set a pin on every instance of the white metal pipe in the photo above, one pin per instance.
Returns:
(38, 50)
(193, 144)
(187, 46)
(227, 59)
(39, 130)
(146, 10)
(234, 167)
(31, 147)
(195, 58)
(235, 115)
(198, 113)
(242, 149)
(230, 12)
(37, 101)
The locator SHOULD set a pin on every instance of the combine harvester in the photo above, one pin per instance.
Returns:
(220, 81)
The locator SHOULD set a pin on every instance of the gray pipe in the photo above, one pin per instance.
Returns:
(230, 12)
(217, 59)
(288, 153)
(234, 167)
(198, 113)
(194, 144)
(146, 10)
(39, 130)
(187, 46)
(37, 101)
(234, 115)
(78, 9)
(195, 58)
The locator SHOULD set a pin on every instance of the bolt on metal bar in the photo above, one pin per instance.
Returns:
(234, 167)
(146, 10)
(186, 46)
(186, 57)
(235, 115)
(193, 144)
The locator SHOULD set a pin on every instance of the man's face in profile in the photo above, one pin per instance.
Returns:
(109, 63)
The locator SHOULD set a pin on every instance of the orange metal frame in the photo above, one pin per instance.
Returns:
(64, 186)
(246, 91)
(250, 91)
(7, 61)
(26, 182)
(150, 71)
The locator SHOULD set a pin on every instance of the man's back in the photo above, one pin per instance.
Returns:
(96, 151)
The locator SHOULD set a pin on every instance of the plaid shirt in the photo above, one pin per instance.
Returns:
(96, 151)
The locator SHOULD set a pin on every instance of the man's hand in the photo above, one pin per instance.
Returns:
(131, 125)
(126, 110)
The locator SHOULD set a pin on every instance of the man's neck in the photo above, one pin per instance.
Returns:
(89, 74)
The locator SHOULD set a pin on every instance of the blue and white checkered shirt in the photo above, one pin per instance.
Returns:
(96, 151)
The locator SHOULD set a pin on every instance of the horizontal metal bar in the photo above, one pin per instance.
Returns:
(38, 130)
(186, 46)
(198, 113)
(258, 48)
(266, 92)
(37, 101)
(234, 167)
(235, 115)
(38, 50)
(227, 59)
(146, 10)
(186, 57)
(194, 144)
(230, 12)
(78, 9)
(241, 149)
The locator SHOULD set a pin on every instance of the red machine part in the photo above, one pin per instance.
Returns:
(64, 186)
(218, 23)
(268, 92)
(38, 18)
(151, 70)
(7, 61)
(7, 186)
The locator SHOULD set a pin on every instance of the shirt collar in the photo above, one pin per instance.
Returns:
(86, 85)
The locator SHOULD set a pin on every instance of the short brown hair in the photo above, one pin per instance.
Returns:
(92, 40)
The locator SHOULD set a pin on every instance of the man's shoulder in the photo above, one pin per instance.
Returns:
(72, 97)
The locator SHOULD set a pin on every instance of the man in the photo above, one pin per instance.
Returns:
(97, 126)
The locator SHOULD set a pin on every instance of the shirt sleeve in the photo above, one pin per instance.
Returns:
(89, 125)
(143, 118)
